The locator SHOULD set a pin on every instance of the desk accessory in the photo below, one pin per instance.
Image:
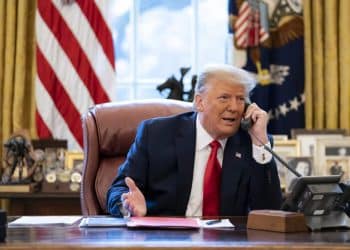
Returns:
(276, 221)
(219, 223)
(320, 198)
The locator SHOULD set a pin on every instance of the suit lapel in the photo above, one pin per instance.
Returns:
(185, 147)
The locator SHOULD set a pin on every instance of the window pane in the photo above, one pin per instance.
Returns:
(124, 92)
(164, 38)
(212, 32)
(120, 22)
(149, 91)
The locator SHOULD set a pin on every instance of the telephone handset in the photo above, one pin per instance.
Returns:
(246, 124)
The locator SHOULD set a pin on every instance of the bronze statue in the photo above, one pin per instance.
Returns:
(17, 156)
(177, 87)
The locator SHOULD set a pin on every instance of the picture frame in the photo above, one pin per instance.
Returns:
(280, 137)
(308, 138)
(333, 154)
(295, 132)
(74, 159)
(50, 156)
(284, 149)
(338, 166)
(302, 164)
(54, 158)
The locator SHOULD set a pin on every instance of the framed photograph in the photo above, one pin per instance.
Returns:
(285, 149)
(280, 137)
(333, 157)
(308, 141)
(54, 158)
(51, 155)
(74, 160)
(338, 166)
(295, 132)
(302, 164)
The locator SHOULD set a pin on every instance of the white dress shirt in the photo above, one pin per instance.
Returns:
(202, 151)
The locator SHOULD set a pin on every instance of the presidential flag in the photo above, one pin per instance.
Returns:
(268, 38)
(75, 65)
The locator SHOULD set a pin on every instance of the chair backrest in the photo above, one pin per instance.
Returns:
(109, 130)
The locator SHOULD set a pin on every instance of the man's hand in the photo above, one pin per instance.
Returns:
(259, 128)
(134, 201)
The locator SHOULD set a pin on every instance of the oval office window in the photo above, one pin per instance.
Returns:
(154, 39)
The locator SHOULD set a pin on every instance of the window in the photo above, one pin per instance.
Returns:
(154, 38)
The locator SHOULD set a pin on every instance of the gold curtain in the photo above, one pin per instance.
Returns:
(327, 60)
(17, 67)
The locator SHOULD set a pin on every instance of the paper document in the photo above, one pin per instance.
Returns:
(156, 222)
(45, 220)
(225, 223)
(162, 222)
(102, 221)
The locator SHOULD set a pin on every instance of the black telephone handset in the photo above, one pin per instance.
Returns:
(246, 124)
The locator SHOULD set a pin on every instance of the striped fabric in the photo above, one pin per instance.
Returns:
(249, 32)
(75, 66)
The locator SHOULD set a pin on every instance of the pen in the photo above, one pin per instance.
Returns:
(212, 222)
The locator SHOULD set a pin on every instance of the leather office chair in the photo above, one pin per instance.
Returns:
(108, 131)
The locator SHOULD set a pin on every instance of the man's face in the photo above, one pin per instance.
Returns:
(220, 107)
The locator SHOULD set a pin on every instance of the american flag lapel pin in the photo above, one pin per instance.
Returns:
(238, 155)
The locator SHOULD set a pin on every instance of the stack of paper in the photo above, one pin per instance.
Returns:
(45, 221)
(102, 221)
(154, 222)
(163, 222)
(225, 223)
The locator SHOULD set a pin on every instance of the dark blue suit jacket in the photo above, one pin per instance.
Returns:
(161, 161)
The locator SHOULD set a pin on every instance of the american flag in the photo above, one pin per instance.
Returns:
(250, 30)
(75, 65)
(281, 58)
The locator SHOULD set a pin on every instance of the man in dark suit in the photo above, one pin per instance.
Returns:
(166, 169)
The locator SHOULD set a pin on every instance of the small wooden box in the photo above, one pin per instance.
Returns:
(277, 221)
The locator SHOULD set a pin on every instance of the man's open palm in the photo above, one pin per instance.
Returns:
(134, 201)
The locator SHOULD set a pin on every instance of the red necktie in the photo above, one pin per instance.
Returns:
(212, 180)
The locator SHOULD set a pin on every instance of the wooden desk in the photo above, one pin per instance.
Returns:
(73, 237)
(42, 203)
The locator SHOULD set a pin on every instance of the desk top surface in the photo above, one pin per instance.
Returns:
(38, 195)
(74, 237)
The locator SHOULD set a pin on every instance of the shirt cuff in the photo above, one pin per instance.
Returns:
(261, 155)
